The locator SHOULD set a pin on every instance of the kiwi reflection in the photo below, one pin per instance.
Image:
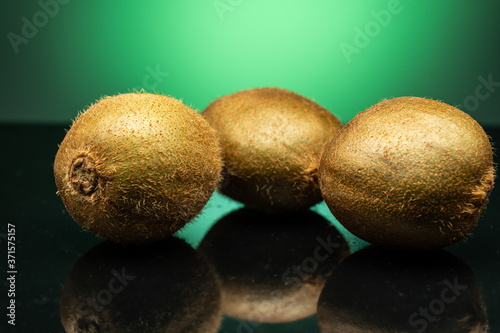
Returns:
(377, 290)
(272, 267)
(161, 287)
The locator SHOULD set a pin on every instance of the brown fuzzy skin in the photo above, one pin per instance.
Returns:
(137, 167)
(272, 141)
(164, 287)
(408, 173)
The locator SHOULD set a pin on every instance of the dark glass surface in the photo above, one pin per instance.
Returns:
(276, 268)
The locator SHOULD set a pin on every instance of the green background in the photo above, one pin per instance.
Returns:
(88, 49)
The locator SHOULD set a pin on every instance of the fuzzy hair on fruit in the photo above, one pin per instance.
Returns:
(137, 167)
(272, 140)
(409, 173)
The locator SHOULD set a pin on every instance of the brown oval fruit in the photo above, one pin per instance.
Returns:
(137, 167)
(272, 140)
(408, 173)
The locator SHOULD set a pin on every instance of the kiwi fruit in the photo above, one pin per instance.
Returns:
(136, 167)
(272, 267)
(408, 173)
(163, 287)
(272, 140)
(379, 290)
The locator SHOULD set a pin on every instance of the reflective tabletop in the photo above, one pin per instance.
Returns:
(232, 269)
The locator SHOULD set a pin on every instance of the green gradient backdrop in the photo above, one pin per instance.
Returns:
(92, 48)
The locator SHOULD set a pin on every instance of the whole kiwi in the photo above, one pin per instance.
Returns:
(272, 141)
(408, 173)
(137, 167)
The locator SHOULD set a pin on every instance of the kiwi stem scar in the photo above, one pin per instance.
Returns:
(83, 175)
